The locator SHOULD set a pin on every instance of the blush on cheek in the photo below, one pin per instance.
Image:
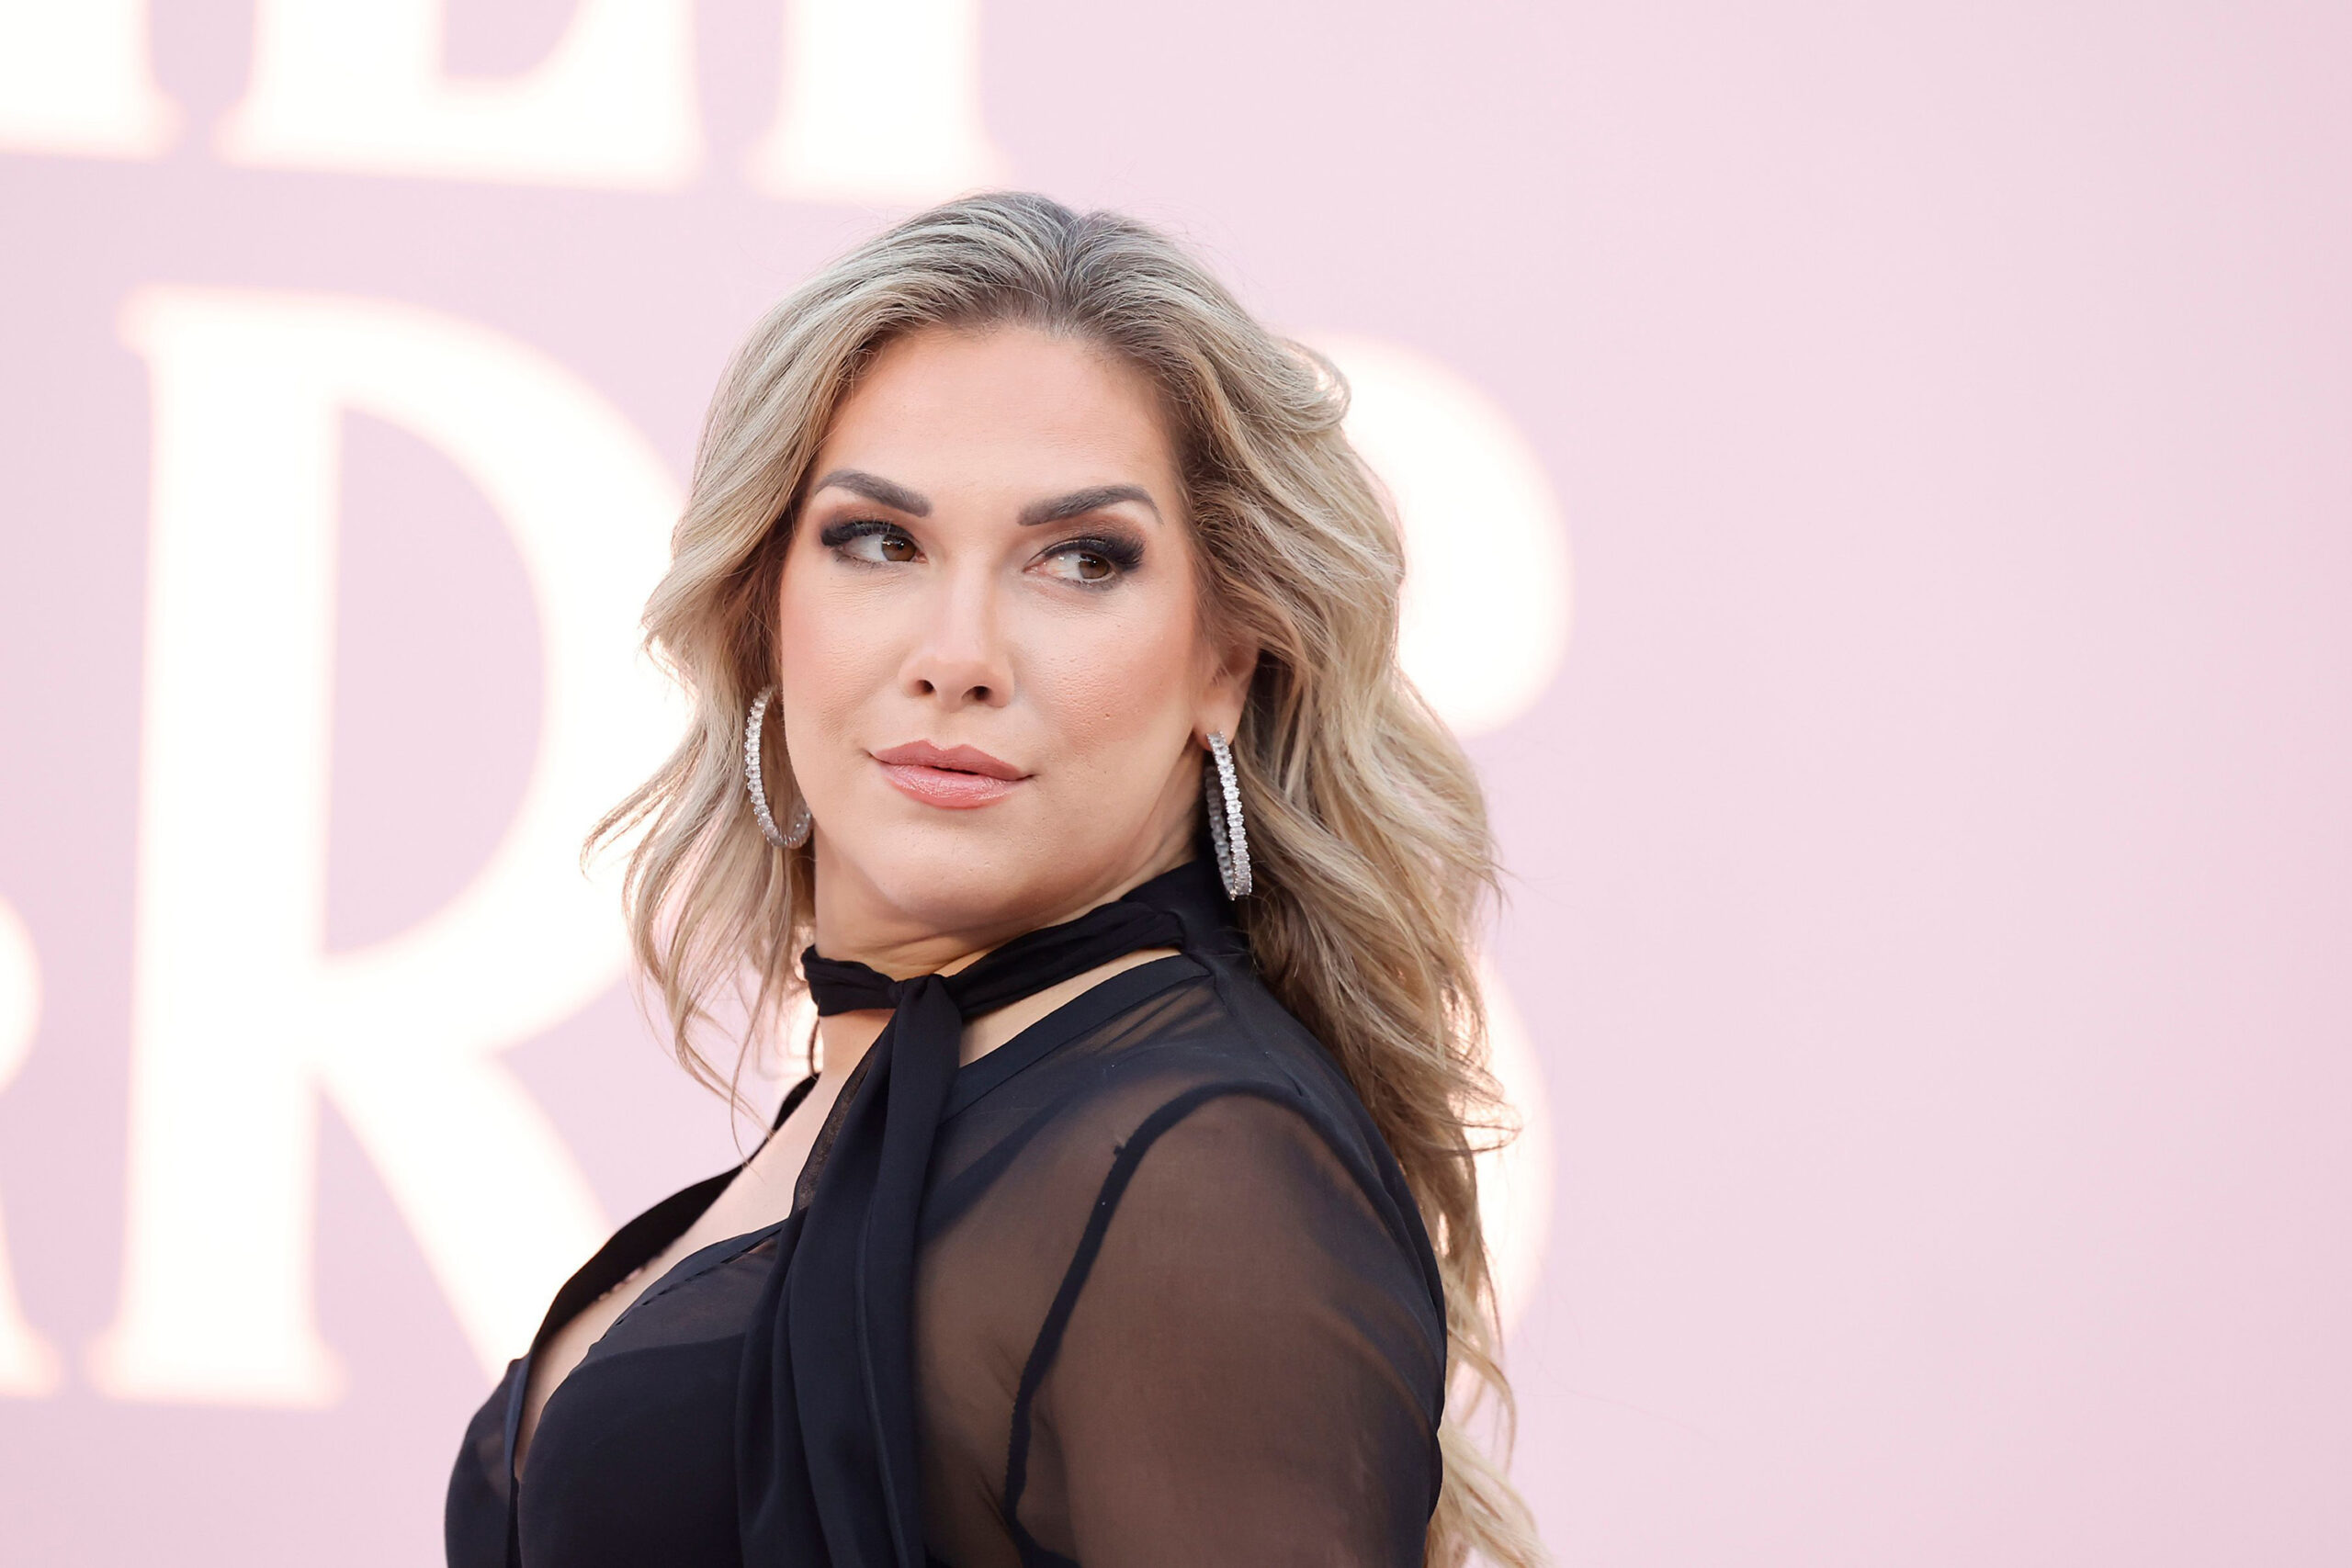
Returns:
(835, 657)
(1118, 689)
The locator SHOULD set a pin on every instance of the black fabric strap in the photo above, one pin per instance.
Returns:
(827, 1469)
(1022, 967)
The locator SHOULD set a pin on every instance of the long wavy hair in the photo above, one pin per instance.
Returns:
(1368, 834)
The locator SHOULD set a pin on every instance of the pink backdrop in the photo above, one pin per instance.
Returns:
(1930, 848)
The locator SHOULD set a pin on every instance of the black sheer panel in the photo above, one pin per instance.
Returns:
(1015, 1177)
(1161, 1319)
(1241, 1377)
(1172, 1302)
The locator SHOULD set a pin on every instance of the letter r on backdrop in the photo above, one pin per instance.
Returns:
(242, 1021)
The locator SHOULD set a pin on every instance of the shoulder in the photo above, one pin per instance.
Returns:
(1195, 1091)
(1151, 1046)
(1215, 1323)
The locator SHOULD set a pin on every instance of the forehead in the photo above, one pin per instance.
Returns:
(1004, 406)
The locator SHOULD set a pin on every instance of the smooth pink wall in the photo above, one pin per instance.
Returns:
(1929, 868)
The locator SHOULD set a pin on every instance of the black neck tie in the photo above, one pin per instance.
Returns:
(825, 1411)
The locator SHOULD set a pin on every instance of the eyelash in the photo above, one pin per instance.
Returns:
(1124, 555)
(836, 537)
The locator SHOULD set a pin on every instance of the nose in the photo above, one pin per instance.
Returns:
(959, 658)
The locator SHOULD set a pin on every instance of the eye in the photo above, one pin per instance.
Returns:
(1081, 565)
(1091, 562)
(878, 543)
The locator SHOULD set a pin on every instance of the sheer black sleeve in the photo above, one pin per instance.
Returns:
(1238, 1365)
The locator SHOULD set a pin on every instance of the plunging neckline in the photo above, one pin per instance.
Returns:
(1090, 1007)
(1162, 1204)
(660, 1285)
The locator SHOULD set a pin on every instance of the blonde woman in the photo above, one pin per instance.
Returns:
(1042, 626)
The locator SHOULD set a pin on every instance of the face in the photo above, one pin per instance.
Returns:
(993, 665)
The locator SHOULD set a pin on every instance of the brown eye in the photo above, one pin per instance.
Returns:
(876, 544)
(1089, 562)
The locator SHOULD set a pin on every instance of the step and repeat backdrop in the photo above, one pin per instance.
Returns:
(1880, 511)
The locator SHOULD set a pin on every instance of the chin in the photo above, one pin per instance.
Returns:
(961, 881)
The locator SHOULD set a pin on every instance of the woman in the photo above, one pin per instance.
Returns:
(1130, 1216)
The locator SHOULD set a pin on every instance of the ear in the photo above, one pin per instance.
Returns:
(1226, 692)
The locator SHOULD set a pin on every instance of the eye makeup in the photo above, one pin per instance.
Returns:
(848, 539)
(872, 542)
(836, 534)
(1120, 550)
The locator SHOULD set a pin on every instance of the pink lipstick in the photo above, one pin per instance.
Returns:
(956, 778)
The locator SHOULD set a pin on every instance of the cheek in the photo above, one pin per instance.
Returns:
(1128, 682)
(828, 660)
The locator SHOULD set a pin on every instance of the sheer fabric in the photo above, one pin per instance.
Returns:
(1167, 1301)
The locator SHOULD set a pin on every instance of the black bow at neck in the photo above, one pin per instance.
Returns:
(826, 1461)
(1022, 967)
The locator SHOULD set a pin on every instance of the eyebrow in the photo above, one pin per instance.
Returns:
(1078, 502)
(879, 491)
(898, 497)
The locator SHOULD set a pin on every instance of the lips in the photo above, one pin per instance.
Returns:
(956, 778)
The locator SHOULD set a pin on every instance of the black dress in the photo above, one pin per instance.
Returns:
(1141, 1286)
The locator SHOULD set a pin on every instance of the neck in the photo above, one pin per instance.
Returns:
(855, 922)
(844, 1038)
(861, 928)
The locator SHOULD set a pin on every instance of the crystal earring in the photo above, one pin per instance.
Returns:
(1222, 791)
(758, 786)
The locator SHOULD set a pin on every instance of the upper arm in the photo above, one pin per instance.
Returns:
(1247, 1365)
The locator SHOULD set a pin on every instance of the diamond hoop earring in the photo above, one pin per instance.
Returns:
(1222, 791)
(758, 787)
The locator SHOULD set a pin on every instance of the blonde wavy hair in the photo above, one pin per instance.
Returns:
(1367, 831)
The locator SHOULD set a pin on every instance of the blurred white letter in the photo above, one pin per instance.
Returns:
(27, 1366)
(1486, 575)
(881, 104)
(359, 84)
(75, 78)
(1515, 1180)
(241, 1019)
(1486, 624)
